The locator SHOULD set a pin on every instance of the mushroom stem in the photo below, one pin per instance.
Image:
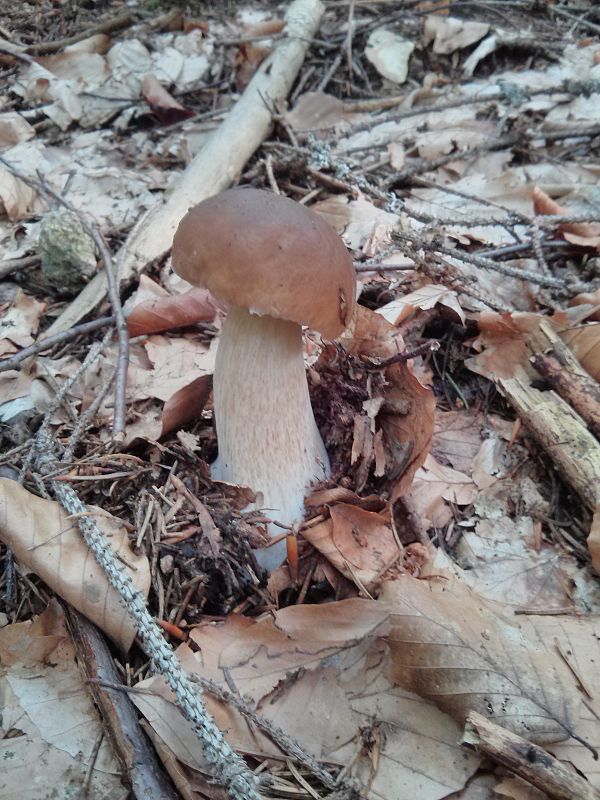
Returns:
(268, 438)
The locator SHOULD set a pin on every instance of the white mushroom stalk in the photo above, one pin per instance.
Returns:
(266, 430)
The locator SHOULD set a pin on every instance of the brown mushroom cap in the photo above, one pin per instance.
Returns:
(269, 254)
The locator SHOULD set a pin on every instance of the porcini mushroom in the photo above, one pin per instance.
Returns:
(278, 266)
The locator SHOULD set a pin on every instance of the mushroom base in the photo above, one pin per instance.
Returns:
(266, 431)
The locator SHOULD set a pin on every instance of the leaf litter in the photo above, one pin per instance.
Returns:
(445, 567)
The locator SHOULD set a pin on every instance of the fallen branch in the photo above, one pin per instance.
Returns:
(141, 769)
(568, 378)
(59, 338)
(561, 433)
(530, 762)
(16, 264)
(121, 20)
(221, 159)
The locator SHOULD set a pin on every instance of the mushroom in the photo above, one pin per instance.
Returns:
(278, 266)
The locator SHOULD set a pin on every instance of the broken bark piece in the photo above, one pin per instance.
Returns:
(141, 769)
(561, 369)
(529, 761)
(561, 433)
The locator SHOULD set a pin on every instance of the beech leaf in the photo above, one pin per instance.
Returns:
(165, 313)
(45, 539)
(450, 647)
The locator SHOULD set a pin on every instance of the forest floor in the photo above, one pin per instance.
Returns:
(441, 593)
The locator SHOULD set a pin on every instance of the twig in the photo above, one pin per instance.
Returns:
(568, 87)
(121, 20)
(16, 264)
(83, 792)
(530, 762)
(427, 165)
(113, 290)
(584, 23)
(485, 263)
(86, 418)
(50, 341)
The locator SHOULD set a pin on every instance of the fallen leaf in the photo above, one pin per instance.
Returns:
(407, 414)
(450, 647)
(186, 405)
(327, 665)
(428, 296)
(16, 197)
(359, 543)
(324, 497)
(247, 60)
(434, 485)
(316, 111)
(585, 234)
(500, 561)
(576, 640)
(45, 539)
(14, 129)
(164, 313)
(389, 53)
(450, 33)
(357, 220)
(163, 105)
(20, 322)
(50, 725)
(176, 363)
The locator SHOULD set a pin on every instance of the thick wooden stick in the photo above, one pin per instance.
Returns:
(561, 433)
(527, 760)
(142, 770)
(220, 161)
(564, 373)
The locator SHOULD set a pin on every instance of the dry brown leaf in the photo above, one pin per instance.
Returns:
(426, 297)
(450, 647)
(389, 53)
(328, 695)
(407, 414)
(577, 642)
(460, 435)
(176, 362)
(585, 234)
(47, 541)
(315, 111)
(584, 341)
(451, 33)
(358, 222)
(49, 724)
(20, 322)
(501, 561)
(434, 486)
(326, 497)
(186, 405)
(14, 129)
(163, 105)
(515, 788)
(247, 60)
(359, 543)
(165, 313)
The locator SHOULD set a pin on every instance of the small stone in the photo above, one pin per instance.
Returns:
(68, 251)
